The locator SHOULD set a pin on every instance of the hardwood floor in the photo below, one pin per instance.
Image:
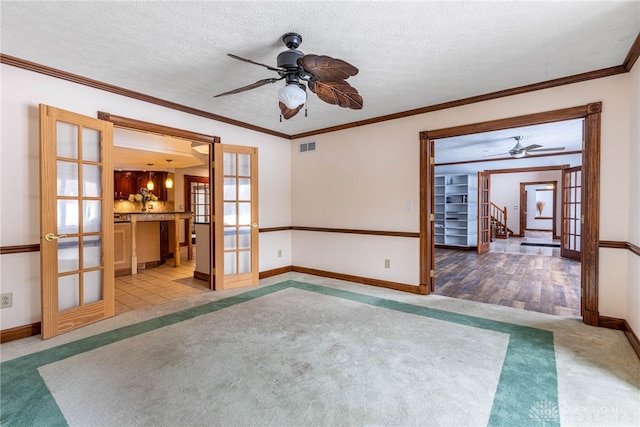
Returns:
(544, 282)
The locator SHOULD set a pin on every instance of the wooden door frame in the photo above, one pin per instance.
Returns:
(524, 205)
(139, 125)
(591, 113)
(188, 179)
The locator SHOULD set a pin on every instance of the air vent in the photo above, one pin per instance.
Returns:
(307, 146)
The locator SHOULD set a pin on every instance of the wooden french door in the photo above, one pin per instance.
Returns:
(235, 256)
(571, 213)
(76, 220)
(484, 212)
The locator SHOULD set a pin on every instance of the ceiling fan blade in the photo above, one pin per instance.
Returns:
(327, 68)
(287, 112)
(496, 155)
(249, 87)
(239, 58)
(337, 93)
(531, 147)
(536, 150)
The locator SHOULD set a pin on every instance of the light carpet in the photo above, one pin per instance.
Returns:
(292, 354)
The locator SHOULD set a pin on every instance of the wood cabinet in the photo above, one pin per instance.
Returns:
(456, 210)
(130, 182)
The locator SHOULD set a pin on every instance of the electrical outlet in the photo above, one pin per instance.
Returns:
(387, 263)
(6, 300)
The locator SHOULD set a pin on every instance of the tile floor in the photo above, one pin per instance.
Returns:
(158, 285)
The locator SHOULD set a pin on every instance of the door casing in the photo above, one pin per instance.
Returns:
(591, 113)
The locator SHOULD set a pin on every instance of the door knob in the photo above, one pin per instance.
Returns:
(254, 225)
(50, 237)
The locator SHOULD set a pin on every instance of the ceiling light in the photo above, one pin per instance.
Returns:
(169, 182)
(292, 96)
(150, 185)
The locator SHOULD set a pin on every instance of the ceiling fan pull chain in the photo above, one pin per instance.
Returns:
(280, 118)
(305, 111)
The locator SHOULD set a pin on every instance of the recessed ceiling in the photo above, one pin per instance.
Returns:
(410, 54)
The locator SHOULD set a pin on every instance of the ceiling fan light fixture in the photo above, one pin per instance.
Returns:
(292, 95)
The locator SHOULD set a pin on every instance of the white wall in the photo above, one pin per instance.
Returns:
(22, 91)
(363, 177)
(505, 191)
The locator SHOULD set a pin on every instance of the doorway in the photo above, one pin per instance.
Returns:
(589, 179)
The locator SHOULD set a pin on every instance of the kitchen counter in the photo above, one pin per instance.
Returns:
(134, 217)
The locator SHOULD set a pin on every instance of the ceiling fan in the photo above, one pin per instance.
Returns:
(519, 151)
(325, 76)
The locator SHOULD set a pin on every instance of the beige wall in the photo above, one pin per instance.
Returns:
(22, 91)
(363, 178)
(633, 292)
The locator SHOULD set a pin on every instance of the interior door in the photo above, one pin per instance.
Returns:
(235, 255)
(571, 213)
(76, 220)
(484, 212)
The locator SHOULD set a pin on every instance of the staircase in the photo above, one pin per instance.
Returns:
(499, 229)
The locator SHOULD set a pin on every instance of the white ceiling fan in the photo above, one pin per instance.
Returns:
(519, 151)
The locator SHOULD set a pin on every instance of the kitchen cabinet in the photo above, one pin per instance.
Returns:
(130, 182)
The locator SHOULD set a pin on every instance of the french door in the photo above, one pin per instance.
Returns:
(235, 257)
(484, 212)
(76, 220)
(571, 213)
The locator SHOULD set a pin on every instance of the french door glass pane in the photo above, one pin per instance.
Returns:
(229, 238)
(244, 189)
(244, 238)
(244, 213)
(92, 286)
(230, 263)
(67, 140)
(230, 214)
(67, 216)
(229, 192)
(68, 292)
(67, 180)
(92, 215)
(244, 165)
(90, 145)
(244, 262)
(91, 251)
(68, 254)
(229, 164)
(92, 181)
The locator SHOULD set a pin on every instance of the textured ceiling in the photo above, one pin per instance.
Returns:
(410, 54)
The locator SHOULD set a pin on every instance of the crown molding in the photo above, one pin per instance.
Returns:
(628, 63)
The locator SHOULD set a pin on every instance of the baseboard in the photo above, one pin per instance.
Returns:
(457, 248)
(275, 272)
(624, 326)
(201, 276)
(19, 332)
(362, 280)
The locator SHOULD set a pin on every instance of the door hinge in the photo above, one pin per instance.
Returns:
(213, 218)
(48, 111)
(213, 271)
(213, 164)
(432, 217)
(582, 219)
(432, 273)
(432, 160)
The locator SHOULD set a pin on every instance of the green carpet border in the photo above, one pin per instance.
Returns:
(527, 392)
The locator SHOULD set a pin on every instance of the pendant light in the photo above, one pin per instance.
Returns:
(150, 185)
(169, 182)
